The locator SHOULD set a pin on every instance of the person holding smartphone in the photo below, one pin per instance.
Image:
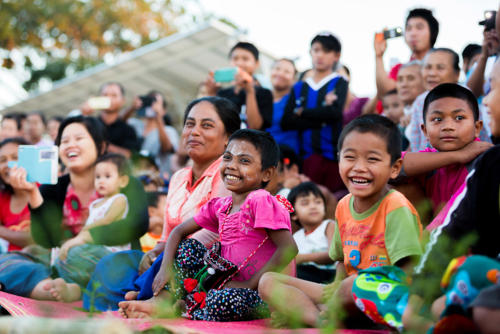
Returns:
(254, 102)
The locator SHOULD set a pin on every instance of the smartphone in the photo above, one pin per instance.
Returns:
(225, 74)
(393, 33)
(99, 102)
(40, 162)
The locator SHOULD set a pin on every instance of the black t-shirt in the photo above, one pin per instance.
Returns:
(264, 99)
(473, 225)
(121, 134)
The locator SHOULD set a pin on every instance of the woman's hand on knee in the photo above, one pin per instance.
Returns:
(161, 279)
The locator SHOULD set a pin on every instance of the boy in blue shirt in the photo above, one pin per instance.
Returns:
(315, 108)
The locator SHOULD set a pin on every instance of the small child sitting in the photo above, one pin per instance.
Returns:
(393, 106)
(313, 239)
(451, 124)
(111, 175)
(156, 210)
(375, 226)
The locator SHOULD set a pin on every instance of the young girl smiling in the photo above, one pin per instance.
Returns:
(255, 235)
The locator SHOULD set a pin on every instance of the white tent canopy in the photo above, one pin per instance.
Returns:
(174, 65)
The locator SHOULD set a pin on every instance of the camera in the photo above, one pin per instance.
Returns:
(146, 109)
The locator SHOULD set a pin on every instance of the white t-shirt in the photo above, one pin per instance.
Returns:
(314, 242)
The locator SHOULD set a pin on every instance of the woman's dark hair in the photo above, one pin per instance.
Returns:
(94, 127)
(227, 111)
(452, 90)
(427, 15)
(17, 141)
(264, 143)
(121, 163)
(378, 125)
(304, 189)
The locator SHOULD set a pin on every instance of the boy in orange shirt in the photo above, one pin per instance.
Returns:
(375, 227)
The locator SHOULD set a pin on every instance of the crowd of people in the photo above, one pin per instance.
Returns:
(303, 197)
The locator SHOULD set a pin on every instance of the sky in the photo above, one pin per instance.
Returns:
(284, 28)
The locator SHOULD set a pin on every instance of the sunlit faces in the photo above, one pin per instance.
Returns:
(245, 60)
(108, 181)
(282, 75)
(438, 69)
(77, 149)
(241, 167)
(114, 93)
(409, 83)
(309, 209)
(492, 100)
(8, 152)
(393, 107)
(322, 59)
(449, 124)
(204, 135)
(365, 167)
(418, 34)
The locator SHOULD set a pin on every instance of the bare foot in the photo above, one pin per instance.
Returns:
(131, 295)
(64, 292)
(137, 308)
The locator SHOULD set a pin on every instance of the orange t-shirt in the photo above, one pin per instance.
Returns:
(384, 234)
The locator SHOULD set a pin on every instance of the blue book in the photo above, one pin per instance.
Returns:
(40, 163)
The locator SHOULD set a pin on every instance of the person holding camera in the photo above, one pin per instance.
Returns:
(158, 138)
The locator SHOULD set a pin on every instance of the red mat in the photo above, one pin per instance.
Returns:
(20, 306)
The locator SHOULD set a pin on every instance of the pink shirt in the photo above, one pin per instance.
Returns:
(241, 232)
(184, 199)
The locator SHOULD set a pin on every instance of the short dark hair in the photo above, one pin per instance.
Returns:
(378, 125)
(328, 41)
(263, 142)
(427, 15)
(153, 93)
(470, 51)
(121, 163)
(112, 83)
(17, 141)
(153, 197)
(304, 189)
(39, 114)
(15, 117)
(454, 56)
(94, 127)
(56, 118)
(227, 111)
(246, 46)
(452, 90)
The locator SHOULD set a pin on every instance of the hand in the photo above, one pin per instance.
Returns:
(18, 180)
(76, 241)
(243, 80)
(161, 278)
(86, 110)
(146, 261)
(137, 104)
(379, 44)
(470, 151)
(330, 98)
(405, 120)
(211, 86)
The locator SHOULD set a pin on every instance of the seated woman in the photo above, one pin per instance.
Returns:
(208, 123)
(14, 212)
(58, 212)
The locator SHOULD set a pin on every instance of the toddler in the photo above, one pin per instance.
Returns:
(313, 239)
(156, 211)
(111, 175)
